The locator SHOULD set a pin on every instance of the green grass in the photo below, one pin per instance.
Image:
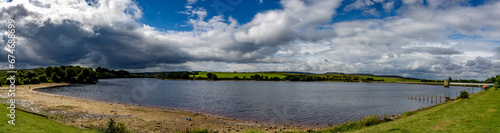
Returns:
(480, 113)
(30, 123)
(230, 75)
(388, 79)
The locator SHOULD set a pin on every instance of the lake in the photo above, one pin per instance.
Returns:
(275, 102)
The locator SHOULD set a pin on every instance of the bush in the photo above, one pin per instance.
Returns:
(113, 127)
(463, 94)
(407, 113)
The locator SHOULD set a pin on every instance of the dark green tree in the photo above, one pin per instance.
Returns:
(70, 75)
(54, 77)
(490, 80)
(209, 75)
(43, 78)
(212, 76)
(497, 83)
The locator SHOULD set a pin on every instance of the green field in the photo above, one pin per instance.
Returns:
(30, 123)
(230, 75)
(281, 75)
(387, 79)
(480, 113)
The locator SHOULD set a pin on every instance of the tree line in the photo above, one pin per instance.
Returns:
(489, 80)
(68, 74)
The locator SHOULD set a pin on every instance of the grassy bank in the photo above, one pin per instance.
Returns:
(28, 123)
(480, 113)
(231, 75)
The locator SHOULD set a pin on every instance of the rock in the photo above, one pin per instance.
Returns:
(204, 117)
(190, 124)
(265, 129)
(157, 122)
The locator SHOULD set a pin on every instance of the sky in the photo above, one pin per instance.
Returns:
(433, 39)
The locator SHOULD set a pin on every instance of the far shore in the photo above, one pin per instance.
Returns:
(401, 82)
(87, 113)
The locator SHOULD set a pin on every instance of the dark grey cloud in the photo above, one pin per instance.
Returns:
(435, 50)
(480, 62)
(61, 38)
(471, 63)
(13, 12)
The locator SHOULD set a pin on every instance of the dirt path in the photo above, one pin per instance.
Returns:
(86, 113)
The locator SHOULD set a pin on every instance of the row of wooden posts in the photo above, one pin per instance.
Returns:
(427, 98)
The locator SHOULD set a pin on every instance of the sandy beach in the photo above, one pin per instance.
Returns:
(86, 113)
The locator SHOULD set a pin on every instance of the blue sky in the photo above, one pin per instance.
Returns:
(413, 38)
(166, 14)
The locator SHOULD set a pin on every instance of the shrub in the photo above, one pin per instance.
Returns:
(407, 113)
(114, 127)
(463, 94)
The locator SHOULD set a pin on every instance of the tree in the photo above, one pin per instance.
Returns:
(490, 80)
(497, 83)
(35, 80)
(48, 70)
(70, 75)
(54, 77)
(236, 78)
(43, 78)
(209, 75)
(86, 75)
(256, 77)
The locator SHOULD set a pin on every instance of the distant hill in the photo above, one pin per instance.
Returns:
(366, 74)
(294, 72)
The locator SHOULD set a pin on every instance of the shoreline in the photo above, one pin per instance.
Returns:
(249, 121)
(421, 83)
(137, 118)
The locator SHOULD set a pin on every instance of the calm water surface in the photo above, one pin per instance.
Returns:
(304, 103)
